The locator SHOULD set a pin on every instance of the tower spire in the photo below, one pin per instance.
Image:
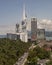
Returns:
(24, 12)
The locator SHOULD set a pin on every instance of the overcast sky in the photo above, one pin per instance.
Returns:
(11, 13)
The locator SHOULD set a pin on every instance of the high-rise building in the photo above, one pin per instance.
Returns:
(33, 29)
(40, 34)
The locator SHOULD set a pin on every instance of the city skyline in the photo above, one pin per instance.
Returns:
(11, 12)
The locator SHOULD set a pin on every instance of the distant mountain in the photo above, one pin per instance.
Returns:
(3, 36)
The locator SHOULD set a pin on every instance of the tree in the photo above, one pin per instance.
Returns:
(11, 50)
(49, 63)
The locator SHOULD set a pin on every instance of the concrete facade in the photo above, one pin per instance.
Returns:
(24, 37)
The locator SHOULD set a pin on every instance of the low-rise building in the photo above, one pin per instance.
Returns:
(15, 36)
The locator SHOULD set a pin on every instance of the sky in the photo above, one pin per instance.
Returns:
(11, 12)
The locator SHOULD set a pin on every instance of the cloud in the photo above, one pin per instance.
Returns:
(7, 29)
(45, 23)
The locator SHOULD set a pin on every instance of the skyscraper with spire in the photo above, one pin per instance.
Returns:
(24, 12)
(22, 25)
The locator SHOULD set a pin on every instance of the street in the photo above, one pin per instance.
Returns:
(22, 59)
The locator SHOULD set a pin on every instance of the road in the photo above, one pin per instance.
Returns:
(22, 59)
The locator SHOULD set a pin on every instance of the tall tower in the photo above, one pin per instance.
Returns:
(24, 13)
(24, 20)
(33, 29)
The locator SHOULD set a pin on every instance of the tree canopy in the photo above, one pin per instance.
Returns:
(11, 50)
(37, 54)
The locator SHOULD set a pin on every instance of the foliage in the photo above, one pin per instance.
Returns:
(42, 53)
(11, 50)
(36, 54)
(35, 42)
